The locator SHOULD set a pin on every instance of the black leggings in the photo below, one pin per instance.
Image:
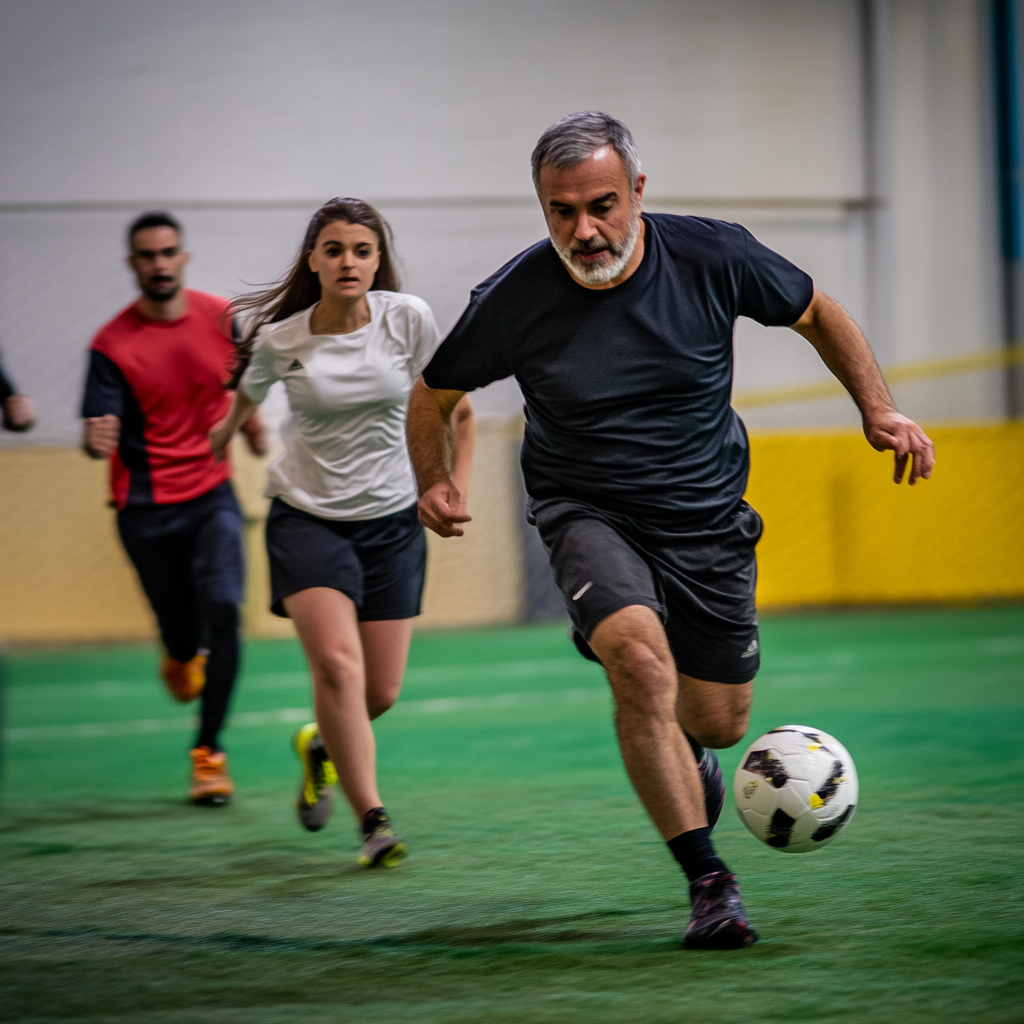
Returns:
(189, 559)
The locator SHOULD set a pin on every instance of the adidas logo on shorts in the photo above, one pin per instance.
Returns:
(752, 649)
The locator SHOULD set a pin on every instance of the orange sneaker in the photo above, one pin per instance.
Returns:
(185, 679)
(211, 783)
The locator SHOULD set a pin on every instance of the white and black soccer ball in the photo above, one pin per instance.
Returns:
(796, 788)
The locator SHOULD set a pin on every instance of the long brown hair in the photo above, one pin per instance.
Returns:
(300, 287)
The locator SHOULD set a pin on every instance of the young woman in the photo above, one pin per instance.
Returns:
(347, 552)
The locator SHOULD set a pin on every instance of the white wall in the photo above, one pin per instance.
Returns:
(242, 115)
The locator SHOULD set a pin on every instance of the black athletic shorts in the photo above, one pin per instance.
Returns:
(701, 583)
(379, 563)
(188, 554)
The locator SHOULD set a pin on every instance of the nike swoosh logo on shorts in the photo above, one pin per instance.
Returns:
(579, 593)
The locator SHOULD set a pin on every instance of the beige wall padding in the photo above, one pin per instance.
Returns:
(64, 576)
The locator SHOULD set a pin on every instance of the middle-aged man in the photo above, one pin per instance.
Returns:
(619, 332)
(155, 387)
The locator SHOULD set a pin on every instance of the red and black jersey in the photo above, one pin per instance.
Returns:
(165, 380)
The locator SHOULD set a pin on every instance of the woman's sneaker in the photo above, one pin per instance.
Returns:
(382, 845)
(718, 920)
(314, 802)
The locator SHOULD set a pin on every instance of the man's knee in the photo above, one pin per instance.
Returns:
(642, 676)
(720, 732)
(714, 714)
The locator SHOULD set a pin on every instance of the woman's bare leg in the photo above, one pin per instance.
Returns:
(326, 622)
(385, 652)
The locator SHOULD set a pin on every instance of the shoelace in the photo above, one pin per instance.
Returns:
(712, 891)
(209, 766)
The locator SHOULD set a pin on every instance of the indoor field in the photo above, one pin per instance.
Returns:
(535, 890)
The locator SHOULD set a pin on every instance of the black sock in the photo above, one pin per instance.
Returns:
(695, 853)
(698, 750)
(372, 818)
(221, 669)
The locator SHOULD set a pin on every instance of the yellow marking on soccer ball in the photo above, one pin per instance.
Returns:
(816, 801)
(750, 788)
(812, 747)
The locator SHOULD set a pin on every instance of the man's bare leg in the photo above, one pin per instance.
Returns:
(714, 714)
(633, 648)
(653, 704)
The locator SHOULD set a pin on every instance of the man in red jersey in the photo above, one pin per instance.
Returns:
(155, 387)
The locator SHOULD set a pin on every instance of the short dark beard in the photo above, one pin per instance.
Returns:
(155, 296)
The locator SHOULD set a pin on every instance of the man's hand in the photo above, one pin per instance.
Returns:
(889, 431)
(18, 414)
(845, 351)
(256, 437)
(101, 435)
(441, 509)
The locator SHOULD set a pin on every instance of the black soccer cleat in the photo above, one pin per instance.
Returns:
(714, 786)
(718, 920)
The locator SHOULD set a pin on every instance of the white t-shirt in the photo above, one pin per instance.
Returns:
(345, 455)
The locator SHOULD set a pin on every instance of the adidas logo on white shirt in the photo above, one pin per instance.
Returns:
(296, 365)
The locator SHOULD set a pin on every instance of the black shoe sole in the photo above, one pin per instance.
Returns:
(219, 800)
(731, 936)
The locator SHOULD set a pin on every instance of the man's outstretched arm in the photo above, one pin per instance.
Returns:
(845, 351)
(428, 431)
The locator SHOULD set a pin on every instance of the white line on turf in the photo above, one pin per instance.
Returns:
(300, 679)
(250, 719)
(789, 667)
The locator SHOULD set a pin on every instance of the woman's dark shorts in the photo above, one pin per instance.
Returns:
(700, 582)
(379, 563)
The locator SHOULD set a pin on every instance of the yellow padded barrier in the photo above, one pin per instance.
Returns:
(838, 531)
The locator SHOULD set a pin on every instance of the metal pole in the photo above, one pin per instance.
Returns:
(1006, 58)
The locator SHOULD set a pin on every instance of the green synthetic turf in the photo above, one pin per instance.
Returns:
(536, 891)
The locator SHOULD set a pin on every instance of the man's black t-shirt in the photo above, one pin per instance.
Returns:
(627, 389)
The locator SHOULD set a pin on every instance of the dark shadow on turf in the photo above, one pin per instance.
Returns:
(17, 819)
(521, 934)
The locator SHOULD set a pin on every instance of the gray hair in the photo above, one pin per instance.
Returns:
(570, 140)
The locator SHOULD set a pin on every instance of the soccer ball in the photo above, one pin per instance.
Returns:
(796, 788)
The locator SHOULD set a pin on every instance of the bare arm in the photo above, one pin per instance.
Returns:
(845, 351)
(463, 432)
(242, 407)
(429, 433)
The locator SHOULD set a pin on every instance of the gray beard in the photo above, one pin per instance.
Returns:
(608, 272)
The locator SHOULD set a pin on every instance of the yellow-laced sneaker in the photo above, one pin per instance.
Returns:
(184, 679)
(211, 784)
(314, 802)
(382, 845)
